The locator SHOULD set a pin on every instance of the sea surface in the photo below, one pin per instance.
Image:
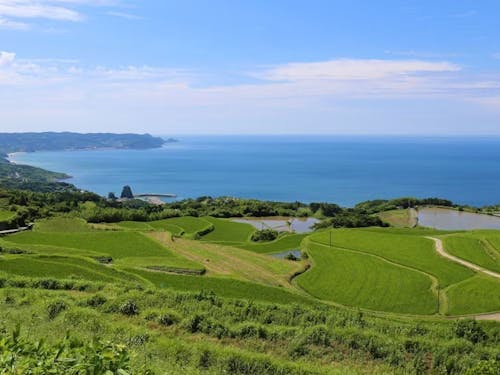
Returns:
(345, 170)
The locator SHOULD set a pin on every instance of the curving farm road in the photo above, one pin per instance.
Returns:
(440, 249)
(472, 266)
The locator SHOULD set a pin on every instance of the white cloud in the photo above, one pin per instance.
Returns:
(11, 11)
(127, 16)
(37, 9)
(348, 69)
(13, 25)
(6, 58)
(68, 91)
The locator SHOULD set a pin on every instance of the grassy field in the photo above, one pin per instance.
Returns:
(125, 247)
(135, 225)
(188, 225)
(61, 268)
(474, 247)
(228, 231)
(62, 224)
(357, 279)
(233, 262)
(477, 294)
(6, 215)
(195, 333)
(367, 305)
(408, 250)
(287, 242)
(385, 269)
(166, 225)
(225, 287)
(398, 218)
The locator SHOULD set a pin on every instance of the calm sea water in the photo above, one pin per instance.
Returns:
(345, 170)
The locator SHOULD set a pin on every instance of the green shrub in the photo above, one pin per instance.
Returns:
(264, 235)
(129, 308)
(96, 300)
(250, 330)
(55, 308)
(168, 318)
(18, 355)
(317, 335)
(491, 367)
(469, 329)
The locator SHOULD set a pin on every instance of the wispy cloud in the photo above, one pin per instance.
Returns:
(13, 25)
(349, 69)
(127, 16)
(6, 58)
(42, 71)
(38, 9)
(57, 88)
(15, 14)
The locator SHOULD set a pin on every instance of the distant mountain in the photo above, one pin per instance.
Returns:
(25, 177)
(51, 141)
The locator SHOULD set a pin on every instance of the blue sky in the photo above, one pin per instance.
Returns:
(262, 66)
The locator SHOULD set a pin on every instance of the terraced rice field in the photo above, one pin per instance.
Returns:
(227, 231)
(411, 251)
(62, 225)
(187, 225)
(126, 247)
(287, 242)
(399, 218)
(356, 279)
(474, 295)
(225, 287)
(227, 261)
(395, 270)
(62, 268)
(135, 225)
(476, 247)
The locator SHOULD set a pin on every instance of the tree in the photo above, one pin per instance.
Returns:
(112, 196)
(127, 192)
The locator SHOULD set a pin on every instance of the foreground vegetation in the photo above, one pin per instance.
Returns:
(200, 332)
(131, 288)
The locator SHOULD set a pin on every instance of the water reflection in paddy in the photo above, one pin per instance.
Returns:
(446, 219)
(296, 253)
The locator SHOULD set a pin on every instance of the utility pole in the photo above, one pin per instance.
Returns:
(438, 298)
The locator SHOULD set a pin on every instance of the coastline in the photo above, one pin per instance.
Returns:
(11, 157)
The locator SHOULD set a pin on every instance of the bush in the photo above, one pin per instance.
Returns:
(469, 329)
(96, 301)
(168, 318)
(264, 235)
(490, 367)
(129, 308)
(55, 308)
(18, 355)
(317, 335)
(291, 257)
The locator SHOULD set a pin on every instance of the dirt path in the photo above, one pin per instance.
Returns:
(234, 262)
(493, 316)
(440, 249)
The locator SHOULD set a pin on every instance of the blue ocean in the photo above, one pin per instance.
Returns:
(345, 170)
